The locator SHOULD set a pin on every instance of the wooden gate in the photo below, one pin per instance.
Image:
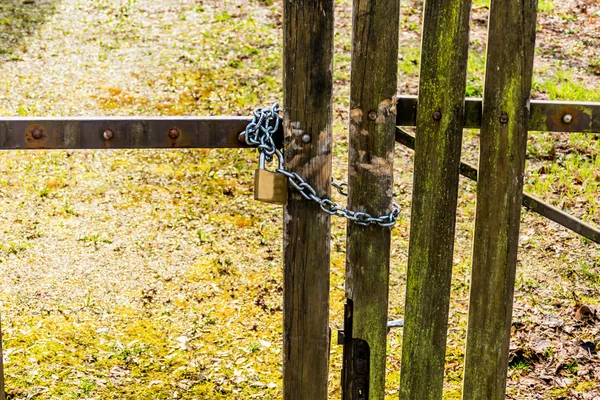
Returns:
(504, 116)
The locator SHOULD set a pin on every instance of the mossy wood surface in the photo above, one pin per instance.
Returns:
(499, 195)
(437, 159)
(370, 176)
(308, 66)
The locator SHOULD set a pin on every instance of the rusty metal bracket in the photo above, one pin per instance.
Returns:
(124, 133)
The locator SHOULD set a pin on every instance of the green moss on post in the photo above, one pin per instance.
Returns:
(499, 195)
(437, 159)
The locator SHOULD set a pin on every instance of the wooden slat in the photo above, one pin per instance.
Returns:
(546, 115)
(88, 133)
(499, 195)
(308, 66)
(437, 159)
(370, 183)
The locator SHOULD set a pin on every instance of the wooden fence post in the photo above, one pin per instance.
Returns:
(499, 194)
(437, 158)
(370, 185)
(308, 80)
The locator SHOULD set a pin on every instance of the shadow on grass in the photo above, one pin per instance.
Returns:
(18, 20)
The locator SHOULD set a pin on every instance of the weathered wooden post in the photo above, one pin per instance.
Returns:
(511, 42)
(370, 181)
(437, 158)
(308, 80)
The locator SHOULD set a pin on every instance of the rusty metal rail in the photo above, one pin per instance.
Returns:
(222, 132)
(121, 133)
(548, 116)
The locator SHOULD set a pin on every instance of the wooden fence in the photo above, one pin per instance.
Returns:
(504, 116)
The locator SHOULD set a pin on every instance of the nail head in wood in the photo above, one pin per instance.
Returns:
(437, 116)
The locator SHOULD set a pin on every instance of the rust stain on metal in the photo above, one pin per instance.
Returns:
(107, 135)
(35, 137)
(174, 134)
(37, 133)
(579, 121)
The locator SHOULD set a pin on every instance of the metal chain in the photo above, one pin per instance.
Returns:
(259, 133)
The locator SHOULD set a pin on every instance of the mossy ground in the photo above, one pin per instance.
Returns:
(153, 274)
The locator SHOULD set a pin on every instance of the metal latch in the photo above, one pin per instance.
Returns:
(356, 364)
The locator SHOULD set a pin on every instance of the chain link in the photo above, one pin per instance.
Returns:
(259, 133)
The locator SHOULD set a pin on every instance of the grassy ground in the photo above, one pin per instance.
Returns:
(153, 274)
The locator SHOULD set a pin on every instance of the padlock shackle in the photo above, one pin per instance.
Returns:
(262, 159)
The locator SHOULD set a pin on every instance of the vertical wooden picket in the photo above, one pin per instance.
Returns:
(505, 119)
(440, 118)
(308, 80)
(370, 177)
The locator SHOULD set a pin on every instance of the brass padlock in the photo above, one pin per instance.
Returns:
(269, 186)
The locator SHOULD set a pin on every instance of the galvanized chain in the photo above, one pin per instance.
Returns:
(260, 133)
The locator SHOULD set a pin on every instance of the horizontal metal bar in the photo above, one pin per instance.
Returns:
(529, 201)
(121, 133)
(548, 116)
(396, 323)
(222, 132)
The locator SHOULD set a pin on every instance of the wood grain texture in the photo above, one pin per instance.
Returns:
(435, 189)
(499, 195)
(370, 176)
(308, 66)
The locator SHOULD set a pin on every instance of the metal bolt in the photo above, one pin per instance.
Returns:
(108, 134)
(503, 118)
(372, 115)
(437, 115)
(242, 137)
(567, 118)
(306, 138)
(174, 133)
(37, 133)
